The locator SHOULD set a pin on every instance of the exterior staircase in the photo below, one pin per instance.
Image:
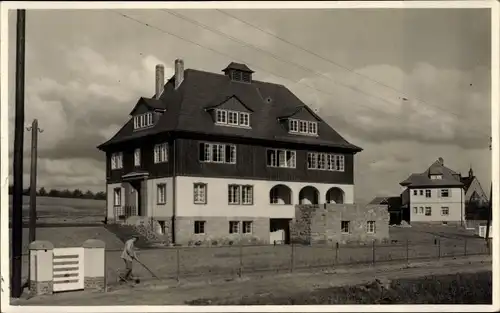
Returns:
(142, 227)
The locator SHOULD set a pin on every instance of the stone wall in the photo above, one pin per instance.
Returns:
(319, 224)
(217, 231)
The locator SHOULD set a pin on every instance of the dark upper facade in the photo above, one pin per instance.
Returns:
(196, 107)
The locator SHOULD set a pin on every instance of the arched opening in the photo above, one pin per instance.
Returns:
(309, 195)
(280, 194)
(335, 195)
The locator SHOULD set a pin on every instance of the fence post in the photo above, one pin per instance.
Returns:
(336, 253)
(407, 252)
(465, 247)
(292, 258)
(241, 260)
(177, 252)
(373, 252)
(439, 248)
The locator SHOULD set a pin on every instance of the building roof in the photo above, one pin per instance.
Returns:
(467, 181)
(186, 111)
(238, 66)
(379, 200)
(449, 177)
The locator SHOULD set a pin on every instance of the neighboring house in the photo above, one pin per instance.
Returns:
(436, 195)
(223, 156)
(394, 206)
(476, 202)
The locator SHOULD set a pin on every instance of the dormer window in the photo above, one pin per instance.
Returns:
(436, 176)
(232, 118)
(143, 120)
(302, 127)
(238, 72)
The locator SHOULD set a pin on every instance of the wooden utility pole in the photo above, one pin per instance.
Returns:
(490, 209)
(34, 152)
(16, 287)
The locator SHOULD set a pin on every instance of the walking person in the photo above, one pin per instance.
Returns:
(128, 255)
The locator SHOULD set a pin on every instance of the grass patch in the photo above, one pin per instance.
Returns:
(466, 288)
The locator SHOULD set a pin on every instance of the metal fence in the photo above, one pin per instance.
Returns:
(234, 261)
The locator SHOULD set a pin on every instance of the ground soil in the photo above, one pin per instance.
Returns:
(279, 285)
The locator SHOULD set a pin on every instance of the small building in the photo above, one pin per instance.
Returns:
(214, 157)
(435, 195)
(340, 223)
(395, 207)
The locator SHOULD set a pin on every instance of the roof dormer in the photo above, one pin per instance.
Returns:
(238, 72)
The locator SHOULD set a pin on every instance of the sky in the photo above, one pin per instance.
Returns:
(406, 85)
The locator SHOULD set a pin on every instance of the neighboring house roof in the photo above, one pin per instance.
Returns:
(449, 177)
(394, 203)
(379, 200)
(467, 181)
(186, 111)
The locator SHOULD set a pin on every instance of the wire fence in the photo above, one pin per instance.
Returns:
(235, 261)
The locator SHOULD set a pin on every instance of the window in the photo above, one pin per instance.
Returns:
(293, 126)
(428, 193)
(236, 76)
(325, 161)
(445, 210)
(238, 194)
(421, 210)
(246, 77)
(200, 193)
(444, 222)
(117, 197)
(117, 161)
(221, 116)
(370, 227)
(436, 177)
(281, 158)
(302, 127)
(232, 118)
(274, 196)
(161, 193)
(161, 153)
(428, 211)
(199, 227)
(234, 227)
(247, 227)
(445, 193)
(421, 192)
(137, 157)
(217, 153)
(415, 192)
(344, 227)
(415, 210)
(244, 119)
(143, 120)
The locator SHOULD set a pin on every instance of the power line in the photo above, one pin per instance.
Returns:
(237, 59)
(337, 64)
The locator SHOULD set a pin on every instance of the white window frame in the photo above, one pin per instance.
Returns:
(415, 192)
(421, 192)
(234, 227)
(293, 126)
(244, 119)
(448, 192)
(247, 227)
(281, 158)
(117, 197)
(428, 209)
(117, 160)
(201, 227)
(161, 153)
(247, 194)
(421, 210)
(234, 194)
(220, 153)
(302, 127)
(342, 228)
(443, 209)
(137, 157)
(200, 193)
(325, 161)
(143, 120)
(370, 227)
(313, 128)
(415, 210)
(233, 118)
(220, 116)
(161, 193)
(428, 193)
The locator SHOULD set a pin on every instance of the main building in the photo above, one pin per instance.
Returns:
(214, 156)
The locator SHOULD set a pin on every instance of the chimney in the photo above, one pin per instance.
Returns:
(160, 80)
(179, 72)
(441, 161)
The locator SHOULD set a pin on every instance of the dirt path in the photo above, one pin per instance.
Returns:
(162, 294)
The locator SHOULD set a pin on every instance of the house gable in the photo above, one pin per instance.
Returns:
(475, 188)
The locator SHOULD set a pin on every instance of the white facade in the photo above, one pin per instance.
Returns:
(431, 204)
(216, 197)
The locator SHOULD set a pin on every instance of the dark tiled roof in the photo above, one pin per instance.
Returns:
(449, 177)
(467, 181)
(379, 200)
(185, 111)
